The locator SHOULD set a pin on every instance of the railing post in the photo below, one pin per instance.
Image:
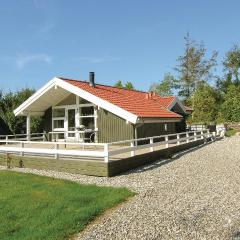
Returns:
(202, 135)
(178, 139)
(208, 133)
(28, 126)
(22, 146)
(6, 140)
(187, 136)
(195, 136)
(56, 148)
(151, 142)
(106, 151)
(132, 152)
(166, 140)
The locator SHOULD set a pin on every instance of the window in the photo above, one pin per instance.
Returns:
(87, 111)
(86, 116)
(58, 117)
(165, 127)
(59, 112)
(88, 122)
(58, 123)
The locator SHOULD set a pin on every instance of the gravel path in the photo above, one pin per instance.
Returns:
(194, 196)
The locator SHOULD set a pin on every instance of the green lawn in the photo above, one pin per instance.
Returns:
(35, 207)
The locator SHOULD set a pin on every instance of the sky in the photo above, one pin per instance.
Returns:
(128, 40)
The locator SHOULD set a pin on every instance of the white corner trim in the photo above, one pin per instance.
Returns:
(97, 101)
(18, 111)
(176, 100)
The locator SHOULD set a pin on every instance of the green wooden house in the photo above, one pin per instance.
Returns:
(84, 111)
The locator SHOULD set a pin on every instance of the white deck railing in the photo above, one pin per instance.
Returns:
(104, 151)
(24, 137)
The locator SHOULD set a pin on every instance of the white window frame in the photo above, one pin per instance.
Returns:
(58, 118)
(78, 116)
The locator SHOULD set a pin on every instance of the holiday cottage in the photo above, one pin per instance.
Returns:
(84, 111)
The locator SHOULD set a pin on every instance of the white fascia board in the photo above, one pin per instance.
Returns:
(97, 101)
(18, 111)
(176, 100)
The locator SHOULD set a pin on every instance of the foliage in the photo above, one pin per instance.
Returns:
(231, 63)
(118, 84)
(165, 87)
(223, 83)
(9, 102)
(230, 132)
(230, 108)
(127, 85)
(205, 104)
(36, 207)
(193, 68)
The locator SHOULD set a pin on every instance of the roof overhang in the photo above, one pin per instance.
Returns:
(56, 90)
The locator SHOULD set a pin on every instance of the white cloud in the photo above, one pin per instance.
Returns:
(99, 59)
(23, 60)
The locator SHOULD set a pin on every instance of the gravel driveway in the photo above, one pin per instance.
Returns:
(193, 196)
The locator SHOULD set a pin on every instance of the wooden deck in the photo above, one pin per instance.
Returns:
(99, 159)
(120, 156)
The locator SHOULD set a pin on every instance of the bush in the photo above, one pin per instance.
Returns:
(230, 132)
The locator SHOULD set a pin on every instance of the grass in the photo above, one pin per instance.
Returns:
(230, 132)
(36, 207)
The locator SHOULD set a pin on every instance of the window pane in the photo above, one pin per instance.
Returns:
(59, 112)
(88, 122)
(58, 124)
(87, 111)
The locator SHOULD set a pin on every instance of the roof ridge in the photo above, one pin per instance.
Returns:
(105, 85)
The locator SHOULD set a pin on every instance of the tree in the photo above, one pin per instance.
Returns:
(129, 86)
(9, 102)
(205, 102)
(118, 84)
(193, 68)
(231, 63)
(164, 87)
(230, 109)
(223, 83)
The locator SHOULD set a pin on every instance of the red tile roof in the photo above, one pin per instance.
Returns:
(130, 100)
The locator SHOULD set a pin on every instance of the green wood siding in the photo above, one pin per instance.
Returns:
(154, 129)
(113, 128)
(91, 167)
